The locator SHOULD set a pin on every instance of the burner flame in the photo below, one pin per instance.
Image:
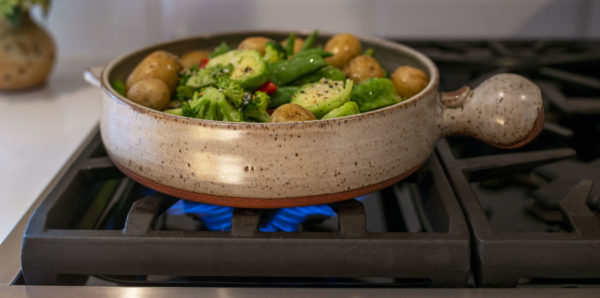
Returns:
(218, 218)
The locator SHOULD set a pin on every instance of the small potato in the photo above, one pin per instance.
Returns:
(409, 81)
(298, 43)
(254, 43)
(192, 58)
(363, 67)
(344, 47)
(150, 92)
(291, 112)
(161, 65)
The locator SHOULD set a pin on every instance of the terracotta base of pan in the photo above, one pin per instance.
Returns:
(263, 202)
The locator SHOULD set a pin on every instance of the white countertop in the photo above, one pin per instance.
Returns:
(39, 130)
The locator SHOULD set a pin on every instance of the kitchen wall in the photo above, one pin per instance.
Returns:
(86, 28)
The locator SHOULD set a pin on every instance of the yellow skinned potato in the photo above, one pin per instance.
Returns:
(150, 92)
(192, 58)
(409, 81)
(344, 47)
(298, 43)
(254, 43)
(291, 112)
(363, 67)
(160, 65)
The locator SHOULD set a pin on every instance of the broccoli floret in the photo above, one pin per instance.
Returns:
(374, 93)
(256, 108)
(211, 105)
(233, 90)
(221, 49)
(209, 76)
(274, 52)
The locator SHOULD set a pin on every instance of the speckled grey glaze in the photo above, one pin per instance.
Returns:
(288, 160)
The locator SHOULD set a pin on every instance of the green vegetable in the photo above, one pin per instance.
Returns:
(274, 52)
(211, 105)
(369, 52)
(309, 52)
(289, 45)
(256, 108)
(310, 40)
(323, 96)
(347, 109)
(177, 111)
(375, 93)
(282, 95)
(328, 72)
(287, 71)
(209, 75)
(119, 87)
(221, 49)
(249, 69)
(232, 90)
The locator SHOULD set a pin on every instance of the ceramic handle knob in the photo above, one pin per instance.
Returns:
(505, 111)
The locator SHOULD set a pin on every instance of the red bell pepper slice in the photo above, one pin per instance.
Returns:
(268, 88)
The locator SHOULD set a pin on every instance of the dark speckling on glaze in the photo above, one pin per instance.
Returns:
(296, 161)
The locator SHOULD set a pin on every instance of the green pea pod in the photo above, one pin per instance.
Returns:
(289, 45)
(328, 72)
(289, 70)
(310, 40)
(282, 96)
(315, 51)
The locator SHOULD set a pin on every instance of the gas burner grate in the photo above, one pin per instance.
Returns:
(126, 240)
(503, 257)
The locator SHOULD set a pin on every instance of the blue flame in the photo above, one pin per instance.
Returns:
(218, 218)
(215, 218)
(288, 219)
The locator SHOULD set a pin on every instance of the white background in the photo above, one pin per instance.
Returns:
(40, 128)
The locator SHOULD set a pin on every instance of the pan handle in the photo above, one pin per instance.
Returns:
(504, 111)
(93, 74)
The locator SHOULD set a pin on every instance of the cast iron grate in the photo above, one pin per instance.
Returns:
(502, 258)
(61, 244)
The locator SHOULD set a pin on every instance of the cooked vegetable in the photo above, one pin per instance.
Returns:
(176, 111)
(309, 52)
(323, 96)
(249, 69)
(268, 88)
(361, 68)
(310, 40)
(192, 58)
(256, 108)
(298, 43)
(409, 81)
(369, 52)
(232, 90)
(344, 47)
(287, 71)
(209, 75)
(211, 105)
(328, 72)
(119, 87)
(347, 109)
(290, 44)
(374, 93)
(150, 92)
(274, 52)
(282, 95)
(291, 112)
(160, 65)
(256, 43)
(221, 49)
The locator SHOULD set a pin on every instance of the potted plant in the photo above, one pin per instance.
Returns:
(27, 51)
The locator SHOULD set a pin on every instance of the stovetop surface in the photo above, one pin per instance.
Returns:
(473, 216)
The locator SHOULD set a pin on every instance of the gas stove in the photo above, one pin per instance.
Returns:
(473, 217)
